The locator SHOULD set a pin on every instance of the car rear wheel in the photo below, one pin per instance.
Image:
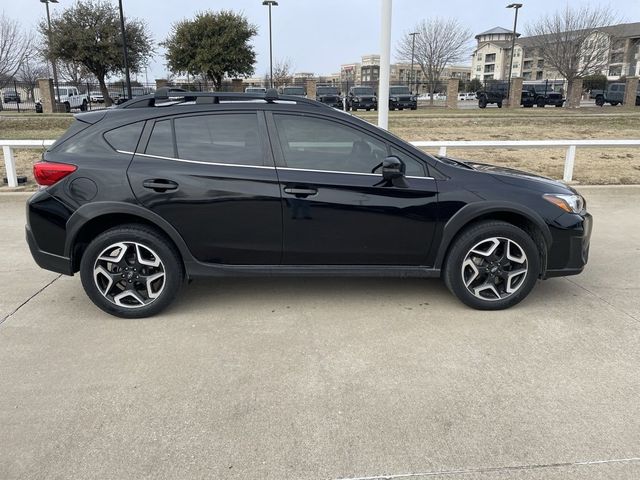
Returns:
(131, 271)
(492, 265)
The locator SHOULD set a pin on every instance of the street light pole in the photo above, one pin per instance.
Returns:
(270, 3)
(385, 64)
(413, 49)
(125, 53)
(517, 7)
(53, 61)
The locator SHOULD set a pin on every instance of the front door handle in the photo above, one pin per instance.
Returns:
(160, 184)
(300, 192)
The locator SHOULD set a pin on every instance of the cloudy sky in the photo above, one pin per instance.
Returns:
(319, 35)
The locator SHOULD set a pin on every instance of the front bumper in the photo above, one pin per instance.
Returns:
(403, 104)
(569, 252)
(365, 104)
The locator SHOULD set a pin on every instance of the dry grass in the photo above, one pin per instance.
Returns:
(593, 166)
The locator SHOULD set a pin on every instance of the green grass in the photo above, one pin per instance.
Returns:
(32, 126)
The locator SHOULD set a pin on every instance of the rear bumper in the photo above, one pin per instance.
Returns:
(570, 250)
(46, 260)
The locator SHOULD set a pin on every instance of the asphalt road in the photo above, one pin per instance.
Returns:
(326, 378)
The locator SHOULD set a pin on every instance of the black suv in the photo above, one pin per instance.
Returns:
(329, 95)
(400, 97)
(543, 96)
(362, 98)
(163, 189)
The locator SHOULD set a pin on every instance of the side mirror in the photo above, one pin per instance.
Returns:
(392, 168)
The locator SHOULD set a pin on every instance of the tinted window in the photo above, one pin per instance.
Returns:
(223, 138)
(414, 167)
(318, 144)
(125, 138)
(363, 91)
(161, 140)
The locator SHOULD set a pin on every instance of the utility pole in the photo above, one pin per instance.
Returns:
(517, 7)
(270, 3)
(53, 60)
(413, 49)
(125, 53)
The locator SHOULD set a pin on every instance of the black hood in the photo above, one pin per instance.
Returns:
(520, 178)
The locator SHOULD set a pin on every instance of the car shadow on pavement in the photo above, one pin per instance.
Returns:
(206, 294)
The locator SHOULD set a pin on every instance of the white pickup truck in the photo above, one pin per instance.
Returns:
(71, 98)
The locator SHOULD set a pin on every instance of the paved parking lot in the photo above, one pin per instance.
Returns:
(326, 378)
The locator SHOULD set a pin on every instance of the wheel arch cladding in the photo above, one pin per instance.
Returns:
(521, 217)
(91, 220)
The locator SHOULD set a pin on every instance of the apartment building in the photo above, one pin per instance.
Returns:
(491, 57)
(368, 70)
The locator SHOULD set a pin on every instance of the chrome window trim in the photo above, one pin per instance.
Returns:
(261, 166)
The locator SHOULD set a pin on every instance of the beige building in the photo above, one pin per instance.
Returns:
(368, 70)
(490, 59)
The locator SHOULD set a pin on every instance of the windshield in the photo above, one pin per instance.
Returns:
(399, 90)
(293, 91)
(256, 90)
(363, 91)
(327, 91)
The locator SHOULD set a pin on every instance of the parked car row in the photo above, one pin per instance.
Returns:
(540, 95)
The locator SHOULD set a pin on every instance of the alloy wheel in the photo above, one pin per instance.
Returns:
(129, 274)
(494, 269)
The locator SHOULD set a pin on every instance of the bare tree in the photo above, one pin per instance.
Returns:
(282, 72)
(30, 71)
(439, 42)
(15, 44)
(75, 73)
(571, 42)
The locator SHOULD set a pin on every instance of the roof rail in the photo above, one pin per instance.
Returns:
(180, 96)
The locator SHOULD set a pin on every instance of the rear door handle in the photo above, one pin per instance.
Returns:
(300, 192)
(160, 185)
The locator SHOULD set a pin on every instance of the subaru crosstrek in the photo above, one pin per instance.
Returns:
(165, 188)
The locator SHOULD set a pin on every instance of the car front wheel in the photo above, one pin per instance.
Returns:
(131, 271)
(492, 265)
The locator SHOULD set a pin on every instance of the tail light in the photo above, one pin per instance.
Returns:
(48, 173)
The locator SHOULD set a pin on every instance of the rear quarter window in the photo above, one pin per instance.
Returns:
(125, 138)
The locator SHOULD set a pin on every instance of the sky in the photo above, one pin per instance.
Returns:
(319, 35)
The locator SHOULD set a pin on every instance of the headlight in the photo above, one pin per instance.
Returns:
(394, 99)
(570, 203)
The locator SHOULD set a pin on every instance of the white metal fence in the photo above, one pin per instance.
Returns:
(442, 146)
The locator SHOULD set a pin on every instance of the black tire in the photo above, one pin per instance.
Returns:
(148, 238)
(499, 104)
(482, 103)
(614, 104)
(470, 238)
(354, 109)
(67, 107)
(414, 108)
(600, 101)
(348, 108)
(558, 106)
(83, 107)
(368, 109)
(541, 103)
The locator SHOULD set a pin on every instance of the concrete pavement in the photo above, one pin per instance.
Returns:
(326, 378)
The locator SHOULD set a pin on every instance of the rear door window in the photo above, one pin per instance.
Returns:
(228, 138)
(161, 140)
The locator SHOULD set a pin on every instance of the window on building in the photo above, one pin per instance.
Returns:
(538, 75)
(490, 58)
